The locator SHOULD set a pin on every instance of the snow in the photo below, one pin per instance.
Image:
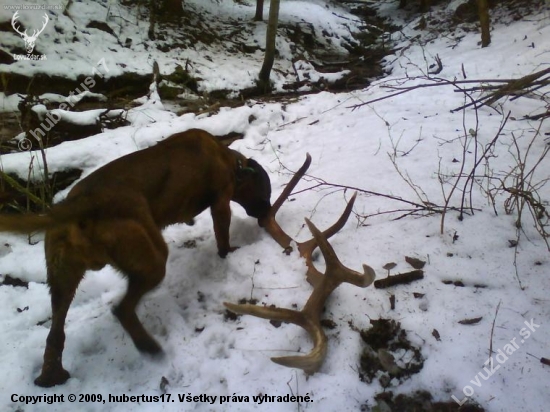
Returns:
(73, 48)
(208, 355)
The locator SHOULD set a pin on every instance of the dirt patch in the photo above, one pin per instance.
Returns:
(18, 195)
(388, 355)
(15, 282)
(420, 401)
(126, 85)
(390, 358)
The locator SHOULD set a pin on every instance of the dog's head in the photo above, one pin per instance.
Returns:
(253, 188)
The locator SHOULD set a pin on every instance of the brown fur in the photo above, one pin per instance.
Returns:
(115, 216)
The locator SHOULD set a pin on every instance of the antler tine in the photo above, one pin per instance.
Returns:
(309, 317)
(292, 184)
(46, 20)
(269, 222)
(306, 248)
(335, 271)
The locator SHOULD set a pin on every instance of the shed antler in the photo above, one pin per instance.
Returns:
(335, 274)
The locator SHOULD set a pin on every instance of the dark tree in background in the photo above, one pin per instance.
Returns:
(483, 10)
(163, 11)
(424, 5)
(259, 16)
(478, 9)
(269, 58)
(173, 8)
(152, 19)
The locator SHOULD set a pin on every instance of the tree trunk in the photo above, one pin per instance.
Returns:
(172, 9)
(152, 19)
(259, 10)
(263, 81)
(425, 6)
(483, 10)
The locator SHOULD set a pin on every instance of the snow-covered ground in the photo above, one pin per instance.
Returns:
(71, 48)
(209, 355)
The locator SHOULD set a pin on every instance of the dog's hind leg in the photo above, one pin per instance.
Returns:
(65, 272)
(140, 253)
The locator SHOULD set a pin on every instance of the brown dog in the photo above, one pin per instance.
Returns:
(115, 216)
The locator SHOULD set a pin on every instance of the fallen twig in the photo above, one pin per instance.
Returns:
(471, 321)
(493, 330)
(399, 279)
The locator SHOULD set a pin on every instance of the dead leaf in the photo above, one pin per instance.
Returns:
(414, 262)
(471, 321)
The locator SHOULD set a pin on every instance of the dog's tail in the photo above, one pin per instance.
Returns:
(60, 214)
(27, 223)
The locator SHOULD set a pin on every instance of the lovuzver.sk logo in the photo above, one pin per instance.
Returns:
(30, 41)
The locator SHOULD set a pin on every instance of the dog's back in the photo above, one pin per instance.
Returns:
(176, 179)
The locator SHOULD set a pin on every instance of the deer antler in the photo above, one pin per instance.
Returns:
(37, 32)
(323, 284)
(309, 317)
(269, 223)
(17, 29)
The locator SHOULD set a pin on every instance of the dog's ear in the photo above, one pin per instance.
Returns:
(250, 168)
(261, 177)
(253, 188)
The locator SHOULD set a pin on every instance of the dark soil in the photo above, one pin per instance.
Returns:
(18, 195)
(388, 355)
(420, 401)
(391, 358)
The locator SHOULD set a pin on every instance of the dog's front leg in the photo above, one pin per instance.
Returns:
(221, 215)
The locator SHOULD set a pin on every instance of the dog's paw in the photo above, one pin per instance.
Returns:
(49, 379)
(149, 347)
(157, 356)
(223, 253)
